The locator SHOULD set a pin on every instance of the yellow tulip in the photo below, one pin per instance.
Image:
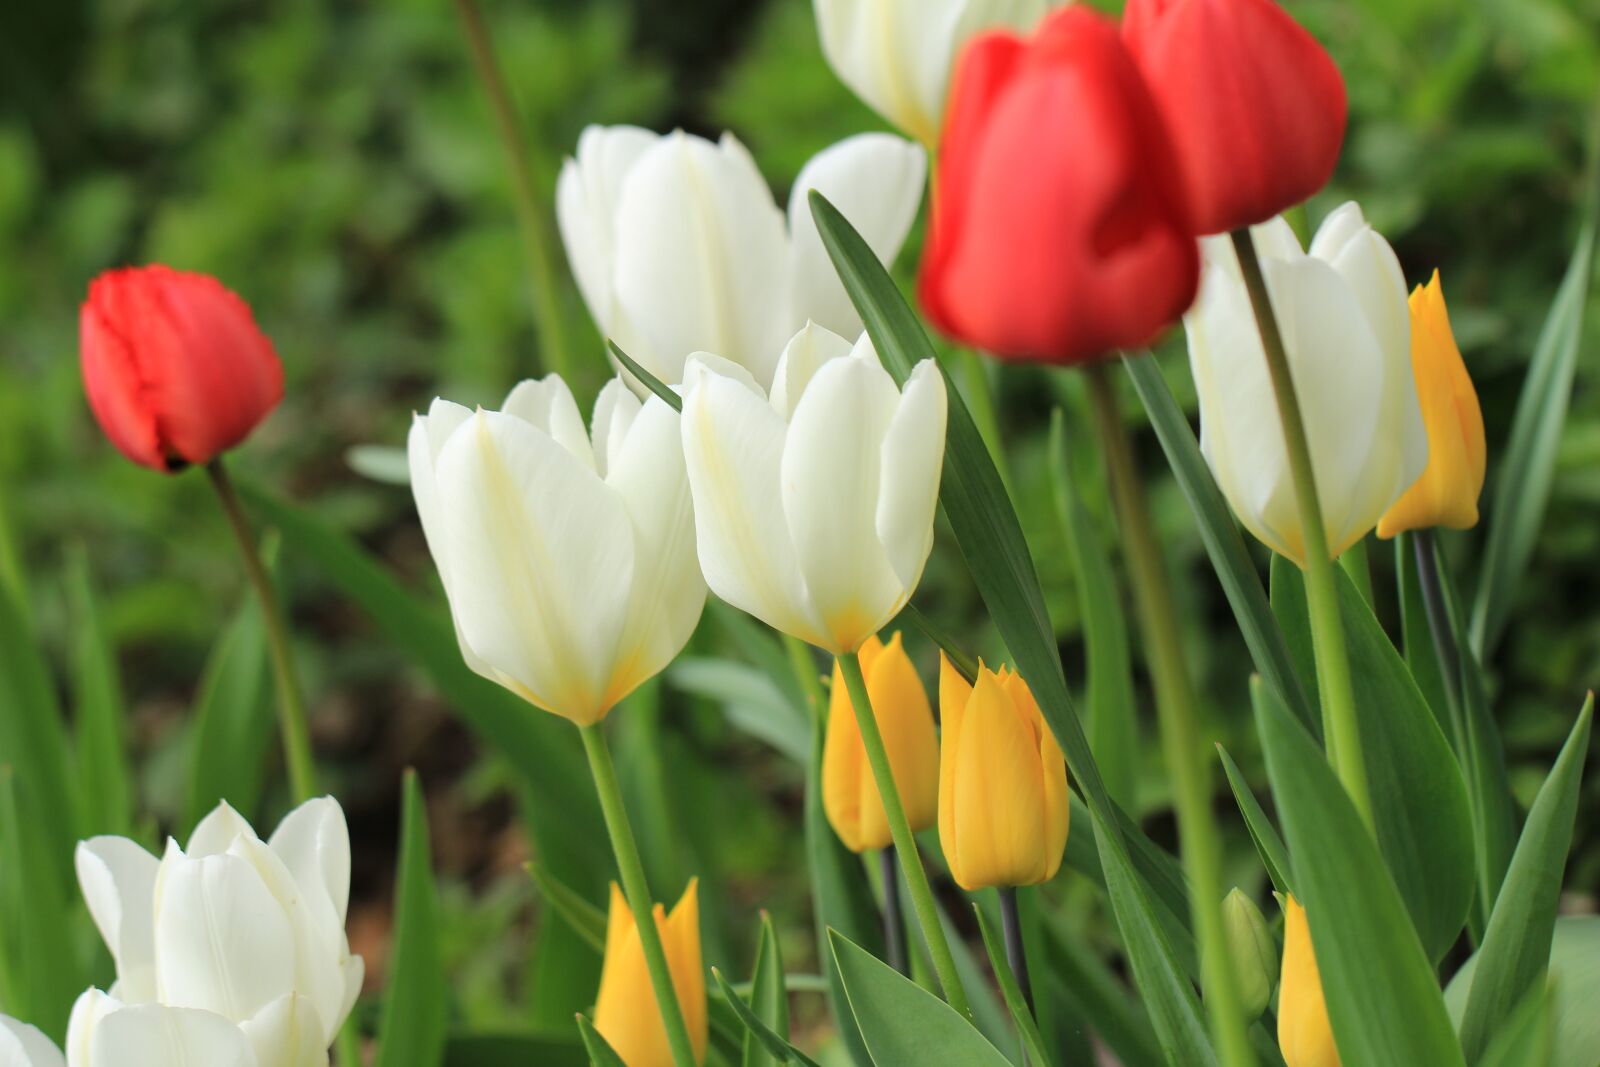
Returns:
(1447, 492)
(1003, 807)
(1304, 1033)
(626, 1013)
(905, 719)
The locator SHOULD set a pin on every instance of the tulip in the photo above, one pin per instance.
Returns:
(905, 719)
(896, 55)
(248, 931)
(1251, 952)
(1348, 336)
(626, 1014)
(1447, 492)
(174, 365)
(22, 1045)
(105, 1032)
(1304, 1033)
(1003, 802)
(814, 507)
(1058, 231)
(1255, 106)
(568, 560)
(678, 246)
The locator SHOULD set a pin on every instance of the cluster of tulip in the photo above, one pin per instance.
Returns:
(1094, 184)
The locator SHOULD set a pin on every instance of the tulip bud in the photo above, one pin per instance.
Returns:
(1255, 105)
(896, 55)
(107, 1032)
(175, 369)
(1058, 230)
(1447, 492)
(1342, 309)
(1003, 802)
(569, 564)
(814, 507)
(1251, 951)
(1304, 1033)
(22, 1045)
(905, 719)
(626, 1013)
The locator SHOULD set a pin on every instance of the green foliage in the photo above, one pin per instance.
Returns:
(416, 1007)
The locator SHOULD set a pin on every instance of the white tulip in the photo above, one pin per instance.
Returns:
(898, 55)
(232, 925)
(1342, 309)
(105, 1032)
(814, 507)
(678, 246)
(569, 563)
(22, 1045)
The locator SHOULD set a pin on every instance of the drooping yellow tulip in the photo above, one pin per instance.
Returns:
(626, 1013)
(905, 718)
(1003, 804)
(1447, 492)
(1304, 1034)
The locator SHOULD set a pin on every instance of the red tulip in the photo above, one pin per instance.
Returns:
(1058, 230)
(1254, 105)
(174, 365)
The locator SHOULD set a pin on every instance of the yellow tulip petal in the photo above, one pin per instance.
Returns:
(906, 719)
(954, 692)
(626, 1013)
(1304, 1032)
(844, 761)
(999, 812)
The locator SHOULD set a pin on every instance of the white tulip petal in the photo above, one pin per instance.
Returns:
(614, 411)
(88, 1011)
(875, 180)
(22, 1045)
(806, 351)
(287, 1033)
(702, 363)
(118, 880)
(313, 841)
(541, 561)
(547, 404)
(586, 204)
(154, 1035)
(217, 830)
(355, 975)
(912, 461)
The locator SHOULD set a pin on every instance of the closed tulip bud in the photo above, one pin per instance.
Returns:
(251, 932)
(568, 559)
(1255, 105)
(1003, 802)
(678, 246)
(22, 1045)
(896, 55)
(1251, 951)
(814, 506)
(1058, 231)
(1304, 1033)
(1447, 492)
(175, 369)
(626, 1013)
(1342, 309)
(905, 719)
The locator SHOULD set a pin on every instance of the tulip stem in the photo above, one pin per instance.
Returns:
(637, 889)
(894, 924)
(1177, 710)
(1341, 728)
(542, 270)
(944, 962)
(1016, 954)
(292, 720)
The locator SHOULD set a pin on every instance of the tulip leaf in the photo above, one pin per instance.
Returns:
(650, 381)
(1419, 799)
(769, 998)
(1574, 976)
(903, 1023)
(586, 920)
(776, 1045)
(415, 1006)
(1117, 1017)
(42, 977)
(964, 664)
(1516, 946)
(1021, 1016)
(1113, 724)
(101, 716)
(1382, 996)
(750, 697)
(1241, 581)
(1418, 645)
(601, 1054)
(990, 536)
(1269, 846)
(514, 1050)
(1527, 1039)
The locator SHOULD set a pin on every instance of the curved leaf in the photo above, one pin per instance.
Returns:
(414, 1009)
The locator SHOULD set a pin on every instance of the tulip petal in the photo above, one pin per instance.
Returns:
(313, 841)
(844, 767)
(287, 1033)
(999, 813)
(216, 832)
(806, 351)
(546, 403)
(91, 1007)
(155, 1035)
(586, 203)
(22, 1045)
(912, 458)
(905, 719)
(614, 411)
(118, 880)
(875, 180)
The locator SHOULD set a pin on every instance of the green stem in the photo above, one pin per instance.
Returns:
(291, 700)
(542, 270)
(634, 886)
(1178, 713)
(1341, 728)
(944, 962)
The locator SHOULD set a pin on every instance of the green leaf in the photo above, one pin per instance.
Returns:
(1240, 580)
(44, 977)
(1113, 724)
(233, 719)
(1012, 992)
(902, 1023)
(752, 699)
(769, 998)
(964, 664)
(586, 920)
(601, 1054)
(1117, 1017)
(1418, 647)
(990, 537)
(776, 1045)
(650, 381)
(101, 717)
(1269, 846)
(1383, 999)
(1528, 1037)
(414, 1011)
(514, 1050)
(1516, 946)
(1419, 800)
(1574, 976)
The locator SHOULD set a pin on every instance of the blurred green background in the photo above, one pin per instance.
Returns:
(336, 164)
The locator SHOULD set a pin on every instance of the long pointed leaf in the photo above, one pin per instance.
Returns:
(414, 1010)
(1269, 846)
(775, 1044)
(101, 716)
(769, 997)
(1015, 1003)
